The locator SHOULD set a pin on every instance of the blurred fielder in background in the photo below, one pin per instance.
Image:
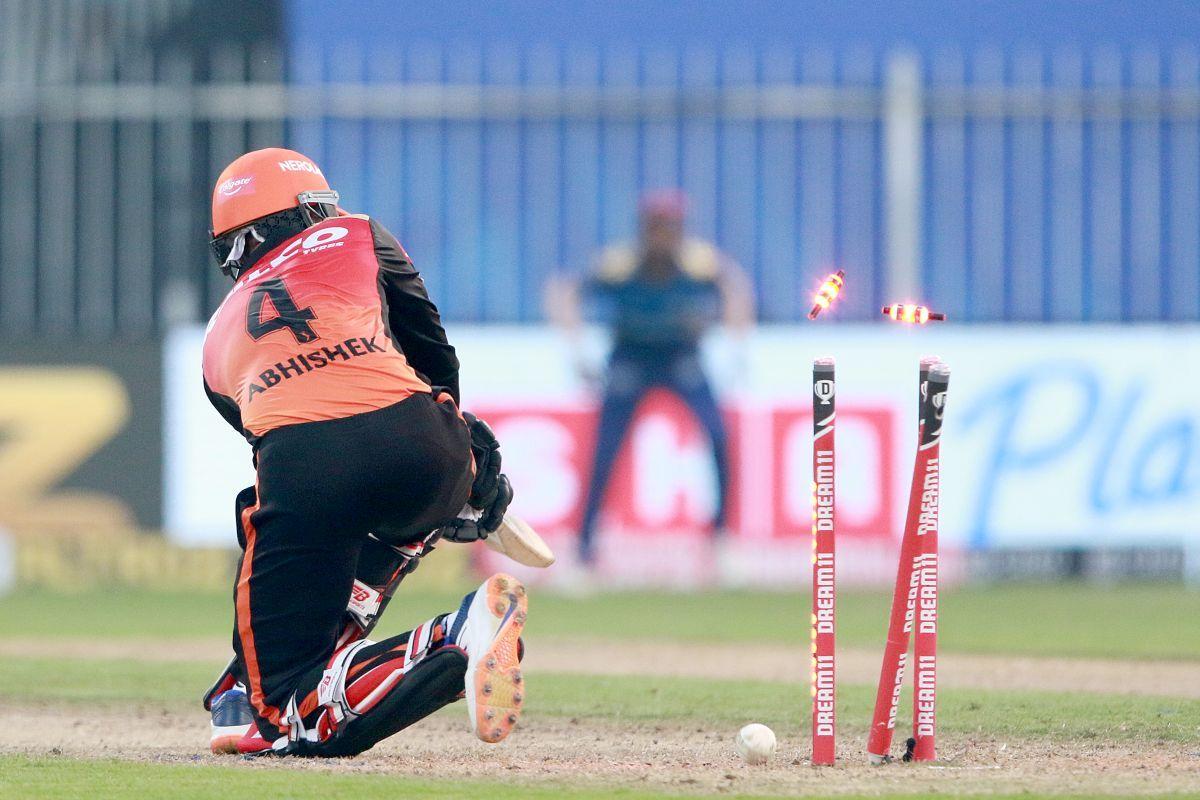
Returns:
(658, 296)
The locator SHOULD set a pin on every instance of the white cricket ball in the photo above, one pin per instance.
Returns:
(756, 743)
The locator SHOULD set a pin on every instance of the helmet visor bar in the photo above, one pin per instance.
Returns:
(318, 205)
(326, 196)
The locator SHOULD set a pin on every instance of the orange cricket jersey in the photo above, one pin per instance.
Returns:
(303, 335)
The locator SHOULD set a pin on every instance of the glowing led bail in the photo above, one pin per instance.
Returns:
(828, 292)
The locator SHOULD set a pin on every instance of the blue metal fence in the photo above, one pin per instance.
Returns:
(778, 151)
(1067, 187)
(1050, 186)
(1058, 186)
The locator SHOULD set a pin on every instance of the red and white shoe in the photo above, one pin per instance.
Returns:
(233, 726)
(252, 742)
(490, 633)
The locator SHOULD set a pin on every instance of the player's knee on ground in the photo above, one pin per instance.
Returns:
(370, 691)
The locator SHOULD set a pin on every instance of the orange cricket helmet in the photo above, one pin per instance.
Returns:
(261, 183)
(267, 186)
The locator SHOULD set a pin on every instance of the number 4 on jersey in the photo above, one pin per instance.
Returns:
(286, 313)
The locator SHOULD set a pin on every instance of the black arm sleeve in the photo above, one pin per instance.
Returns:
(226, 408)
(411, 318)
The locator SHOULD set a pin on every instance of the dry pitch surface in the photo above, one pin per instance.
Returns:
(685, 755)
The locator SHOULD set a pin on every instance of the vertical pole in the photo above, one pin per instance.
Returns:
(21, 57)
(824, 586)
(925, 566)
(179, 296)
(903, 121)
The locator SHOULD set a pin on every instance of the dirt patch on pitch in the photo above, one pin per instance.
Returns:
(669, 758)
(735, 662)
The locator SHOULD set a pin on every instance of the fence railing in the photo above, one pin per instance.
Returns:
(996, 186)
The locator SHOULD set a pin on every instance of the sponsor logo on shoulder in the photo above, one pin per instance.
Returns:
(321, 239)
(296, 165)
(234, 185)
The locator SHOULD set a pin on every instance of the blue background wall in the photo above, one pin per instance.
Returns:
(833, 22)
(1063, 213)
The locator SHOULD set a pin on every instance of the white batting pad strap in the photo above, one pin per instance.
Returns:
(331, 691)
(295, 723)
(418, 643)
(426, 636)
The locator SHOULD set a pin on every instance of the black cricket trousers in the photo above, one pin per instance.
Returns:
(398, 472)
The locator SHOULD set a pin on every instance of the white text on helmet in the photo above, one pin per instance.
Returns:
(296, 165)
(234, 185)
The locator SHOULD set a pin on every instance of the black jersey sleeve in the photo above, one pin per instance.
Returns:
(411, 318)
(226, 407)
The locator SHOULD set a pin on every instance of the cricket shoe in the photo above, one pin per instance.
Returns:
(231, 719)
(233, 726)
(488, 627)
(252, 742)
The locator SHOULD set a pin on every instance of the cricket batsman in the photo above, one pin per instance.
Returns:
(329, 357)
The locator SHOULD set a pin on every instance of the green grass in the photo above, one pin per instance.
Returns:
(117, 780)
(1150, 621)
(63, 779)
(1125, 622)
(650, 700)
(998, 713)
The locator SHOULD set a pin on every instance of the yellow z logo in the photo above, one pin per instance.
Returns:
(52, 419)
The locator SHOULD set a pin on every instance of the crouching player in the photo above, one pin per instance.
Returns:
(328, 355)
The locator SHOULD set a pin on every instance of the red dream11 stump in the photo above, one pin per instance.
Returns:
(824, 578)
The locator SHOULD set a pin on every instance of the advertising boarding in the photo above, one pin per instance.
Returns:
(1083, 438)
